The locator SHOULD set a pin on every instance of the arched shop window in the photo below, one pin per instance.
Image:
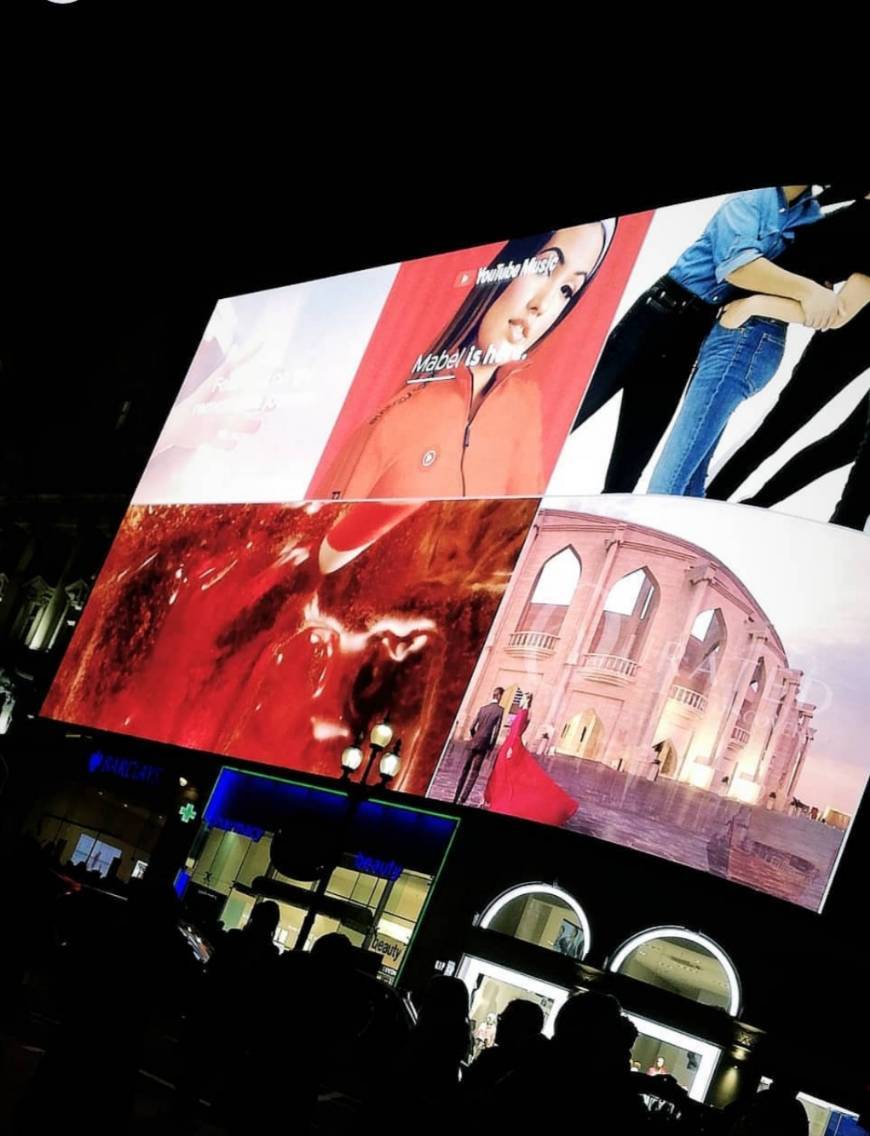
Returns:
(684, 962)
(541, 914)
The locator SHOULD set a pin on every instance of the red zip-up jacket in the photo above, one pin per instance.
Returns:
(427, 443)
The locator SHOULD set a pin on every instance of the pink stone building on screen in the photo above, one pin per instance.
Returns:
(645, 653)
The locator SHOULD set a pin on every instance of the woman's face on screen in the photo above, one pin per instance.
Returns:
(532, 302)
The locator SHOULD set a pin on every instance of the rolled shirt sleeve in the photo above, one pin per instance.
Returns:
(736, 232)
(759, 223)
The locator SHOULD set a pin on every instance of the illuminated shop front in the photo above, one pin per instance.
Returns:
(388, 862)
(533, 913)
(826, 1119)
(108, 813)
(695, 968)
(532, 941)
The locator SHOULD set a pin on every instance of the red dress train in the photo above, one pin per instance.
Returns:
(520, 787)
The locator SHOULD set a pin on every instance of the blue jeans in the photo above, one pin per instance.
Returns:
(733, 364)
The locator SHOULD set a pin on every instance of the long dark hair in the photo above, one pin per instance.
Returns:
(461, 331)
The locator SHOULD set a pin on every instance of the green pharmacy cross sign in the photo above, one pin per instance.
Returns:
(187, 813)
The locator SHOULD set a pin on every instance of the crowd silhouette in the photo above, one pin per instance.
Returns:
(105, 991)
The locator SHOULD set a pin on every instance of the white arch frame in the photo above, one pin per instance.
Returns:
(529, 889)
(631, 945)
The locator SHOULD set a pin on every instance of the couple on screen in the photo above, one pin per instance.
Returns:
(517, 784)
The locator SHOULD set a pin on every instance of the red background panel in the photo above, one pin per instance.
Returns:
(425, 296)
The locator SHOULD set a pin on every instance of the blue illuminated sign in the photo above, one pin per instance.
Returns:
(216, 820)
(386, 869)
(125, 768)
(395, 837)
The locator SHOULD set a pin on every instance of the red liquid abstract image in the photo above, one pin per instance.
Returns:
(280, 633)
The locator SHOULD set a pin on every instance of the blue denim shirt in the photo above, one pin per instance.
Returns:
(744, 228)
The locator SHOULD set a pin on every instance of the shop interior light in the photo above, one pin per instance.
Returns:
(382, 735)
(182, 781)
(351, 758)
(391, 762)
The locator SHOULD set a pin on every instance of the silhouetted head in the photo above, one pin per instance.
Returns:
(442, 1028)
(595, 1022)
(780, 1060)
(264, 919)
(333, 951)
(519, 1023)
(785, 1084)
(153, 903)
(444, 998)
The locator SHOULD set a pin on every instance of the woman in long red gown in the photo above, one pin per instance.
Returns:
(519, 786)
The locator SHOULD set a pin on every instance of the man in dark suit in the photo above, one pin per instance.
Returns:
(484, 734)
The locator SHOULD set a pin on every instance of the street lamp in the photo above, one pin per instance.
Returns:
(391, 762)
(381, 746)
(380, 740)
(351, 759)
(381, 735)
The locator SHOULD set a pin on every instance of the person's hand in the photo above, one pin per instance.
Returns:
(736, 313)
(821, 307)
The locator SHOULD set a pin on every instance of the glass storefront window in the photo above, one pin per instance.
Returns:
(541, 915)
(491, 987)
(306, 884)
(408, 895)
(69, 812)
(237, 910)
(659, 1058)
(255, 862)
(220, 860)
(386, 909)
(96, 855)
(659, 1050)
(490, 1000)
(825, 1119)
(359, 887)
(683, 962)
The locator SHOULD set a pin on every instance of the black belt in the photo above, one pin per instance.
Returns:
(669, 294)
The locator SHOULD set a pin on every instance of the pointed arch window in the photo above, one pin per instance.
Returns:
(552, 593)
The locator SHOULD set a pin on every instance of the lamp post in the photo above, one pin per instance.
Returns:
(389, 763)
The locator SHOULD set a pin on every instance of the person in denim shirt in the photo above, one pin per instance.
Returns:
(650, 354)
(739, 357)
(746, 227)
(836, 249)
